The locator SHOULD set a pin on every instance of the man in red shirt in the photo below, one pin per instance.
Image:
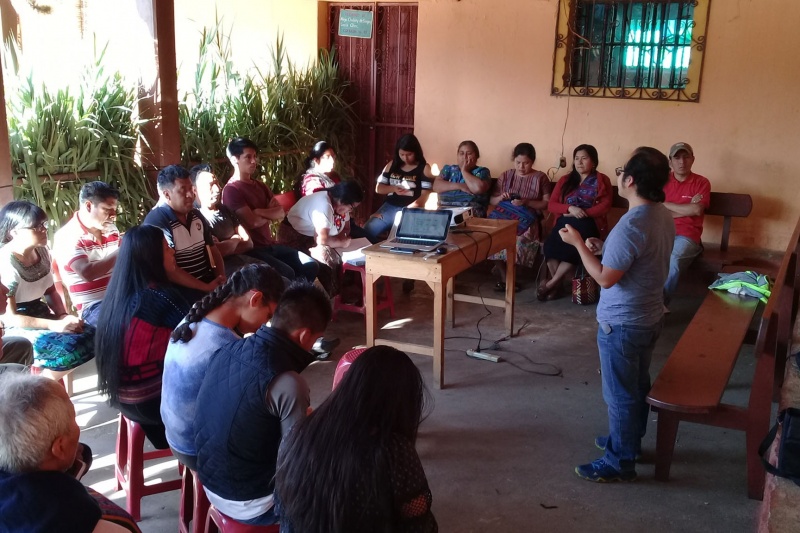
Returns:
(687, 198)
(256, 208)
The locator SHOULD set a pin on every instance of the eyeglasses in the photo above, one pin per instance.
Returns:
(41, 226)
(620, 171)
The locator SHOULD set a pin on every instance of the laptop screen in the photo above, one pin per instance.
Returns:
(424, 224)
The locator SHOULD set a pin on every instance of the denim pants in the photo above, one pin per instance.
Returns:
(625, 354)
(381, 222)
(683, 253)
(289, 262)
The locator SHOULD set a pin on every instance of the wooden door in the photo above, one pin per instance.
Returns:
(382, 70)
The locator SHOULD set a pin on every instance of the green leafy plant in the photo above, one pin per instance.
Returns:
(283, 109)
(62, 137)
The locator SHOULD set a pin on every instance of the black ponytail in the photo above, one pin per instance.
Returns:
(259, 277)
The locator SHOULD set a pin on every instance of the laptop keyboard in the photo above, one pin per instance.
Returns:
(406, 240)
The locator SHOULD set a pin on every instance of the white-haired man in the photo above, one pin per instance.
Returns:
(38, 445)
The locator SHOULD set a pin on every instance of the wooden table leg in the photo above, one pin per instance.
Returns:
(371, 302)
(451, 313)
(439, 305)
(511, 279)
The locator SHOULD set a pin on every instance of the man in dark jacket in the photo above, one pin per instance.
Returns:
(251, 396)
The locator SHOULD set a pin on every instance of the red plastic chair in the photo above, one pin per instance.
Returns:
(220, 523)
(344, 365)
(388, 298)
(286, 200)
(194, 504)
(129, 467)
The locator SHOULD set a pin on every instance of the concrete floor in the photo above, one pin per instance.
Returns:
(502, 439)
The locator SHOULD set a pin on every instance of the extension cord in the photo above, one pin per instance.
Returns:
(484, 356)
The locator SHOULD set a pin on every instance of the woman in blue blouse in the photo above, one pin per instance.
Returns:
(465, 184)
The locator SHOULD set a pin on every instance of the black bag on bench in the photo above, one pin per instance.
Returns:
(789, 451)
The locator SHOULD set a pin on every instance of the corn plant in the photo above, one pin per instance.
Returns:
(63, 137)
(283, 109)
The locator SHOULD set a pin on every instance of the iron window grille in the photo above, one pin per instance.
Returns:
(630, 49)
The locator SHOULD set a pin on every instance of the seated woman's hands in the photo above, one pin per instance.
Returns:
(576, 212)
(66, 324)
(514, 198)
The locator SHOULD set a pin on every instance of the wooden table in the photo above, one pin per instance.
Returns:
(467, 246)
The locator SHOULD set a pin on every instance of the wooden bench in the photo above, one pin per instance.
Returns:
(690, 386)
(716, 256)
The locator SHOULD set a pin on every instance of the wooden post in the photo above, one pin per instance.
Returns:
(159, 102)
(6, 181)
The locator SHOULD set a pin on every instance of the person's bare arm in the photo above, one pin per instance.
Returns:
(539, 204)
(63, 323)
(245, 243)
(250, 219)
(684, 210)
(272, 212)
(474, 183)
(228, 246)
(420, 202)
(179, 276)
(54, 302)
(442, 185)
(324, 238)
(219, 266)
(92, 270)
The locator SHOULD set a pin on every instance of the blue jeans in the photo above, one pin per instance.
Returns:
(683, 253)
(625, 354)
(289, 262)
(381, 222)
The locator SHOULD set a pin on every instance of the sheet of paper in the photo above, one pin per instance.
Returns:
(354, 254)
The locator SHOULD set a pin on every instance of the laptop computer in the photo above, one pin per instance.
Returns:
(419, 229)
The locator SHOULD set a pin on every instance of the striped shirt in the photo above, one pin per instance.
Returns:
(73, 242)
(188, 240)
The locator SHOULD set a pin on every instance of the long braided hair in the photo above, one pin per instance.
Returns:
(259, 277)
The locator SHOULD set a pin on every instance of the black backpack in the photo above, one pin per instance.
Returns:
(789, 451)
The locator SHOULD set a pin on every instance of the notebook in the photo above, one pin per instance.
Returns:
(419, 229)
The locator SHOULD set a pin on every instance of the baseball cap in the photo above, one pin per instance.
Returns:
(677, 147)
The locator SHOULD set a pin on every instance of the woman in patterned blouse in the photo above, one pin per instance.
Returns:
(358, 447)
(581, 199)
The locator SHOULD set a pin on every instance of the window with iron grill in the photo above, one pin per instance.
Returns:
(629, 49)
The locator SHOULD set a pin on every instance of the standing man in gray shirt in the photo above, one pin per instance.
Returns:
(634, 267)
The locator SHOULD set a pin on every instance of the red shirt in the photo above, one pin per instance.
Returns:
(255, 195)
(678, 192)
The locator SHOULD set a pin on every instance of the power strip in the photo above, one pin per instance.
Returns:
(484, 356)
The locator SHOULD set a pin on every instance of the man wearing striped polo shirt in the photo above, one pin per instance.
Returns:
(85, 248)
(199, 264)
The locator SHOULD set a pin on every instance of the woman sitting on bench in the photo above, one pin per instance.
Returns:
(406, 181)
(582, 199)
(35, 310)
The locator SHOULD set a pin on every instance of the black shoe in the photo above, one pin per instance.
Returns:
(325, 345)
(322, 356)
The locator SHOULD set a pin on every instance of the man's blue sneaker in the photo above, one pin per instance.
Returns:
(601, 472)
(601, 441)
